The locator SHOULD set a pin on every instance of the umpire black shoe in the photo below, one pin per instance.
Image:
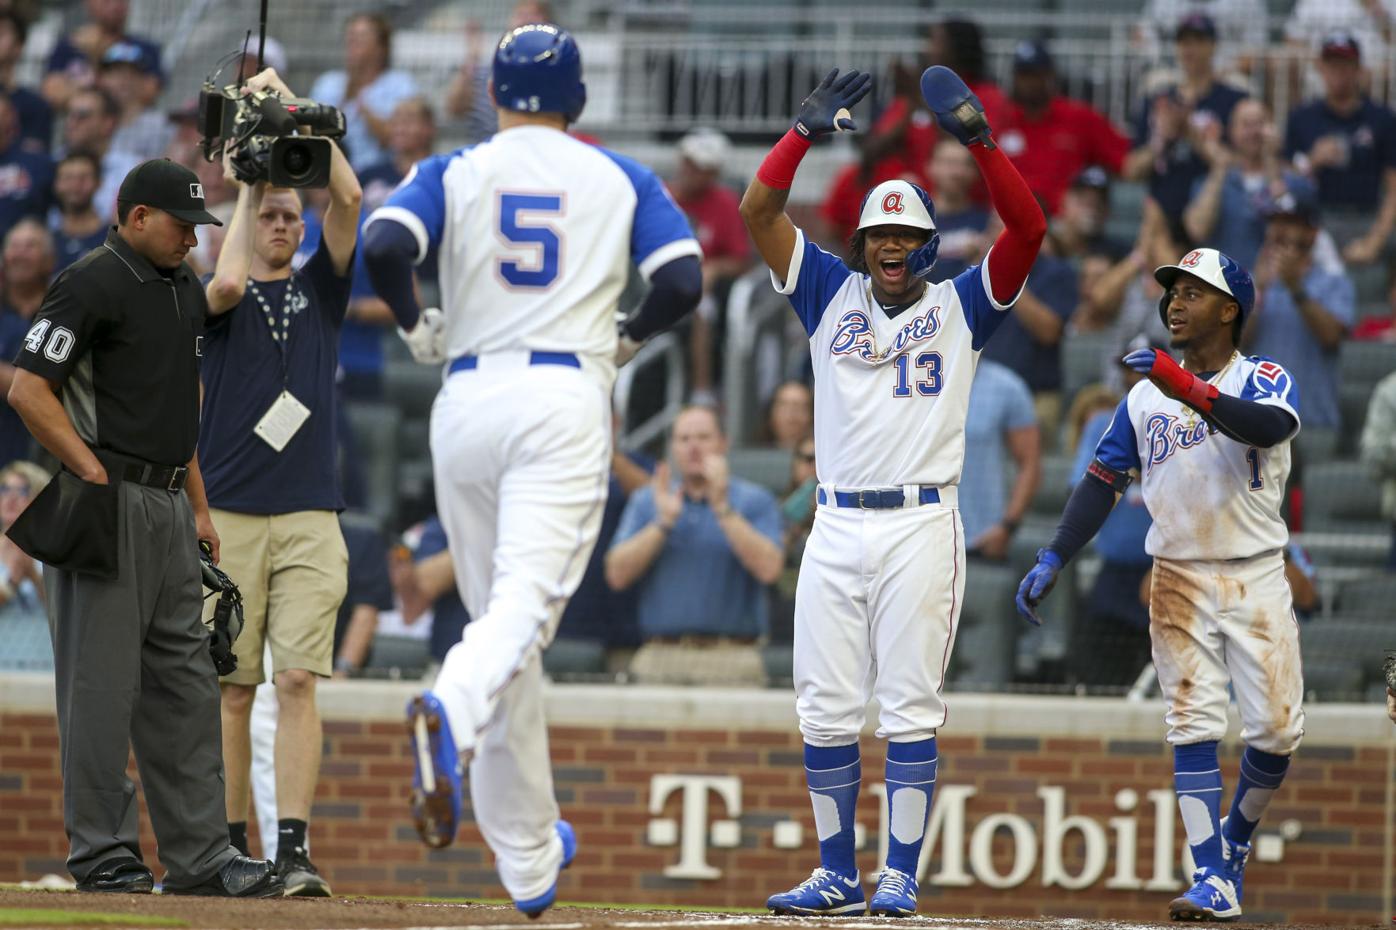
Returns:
(299, 875)
(120, 876)
(240, 878)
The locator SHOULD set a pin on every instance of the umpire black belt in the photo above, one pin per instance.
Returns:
(165, 477)
(879, 498)
(569, 359)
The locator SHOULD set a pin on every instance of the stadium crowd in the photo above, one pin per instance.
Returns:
(1305, 199)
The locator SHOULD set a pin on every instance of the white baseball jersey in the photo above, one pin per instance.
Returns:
(535, 233)
(1211, 497)
(890, 394)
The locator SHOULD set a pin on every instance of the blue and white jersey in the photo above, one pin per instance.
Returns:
(1210, 496)
(535, 232)
(890, 394)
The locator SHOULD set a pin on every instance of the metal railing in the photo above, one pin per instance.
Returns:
(663, 350)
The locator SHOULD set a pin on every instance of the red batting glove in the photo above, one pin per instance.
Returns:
(1174, 380)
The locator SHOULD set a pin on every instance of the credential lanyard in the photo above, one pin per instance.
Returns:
(280, 334)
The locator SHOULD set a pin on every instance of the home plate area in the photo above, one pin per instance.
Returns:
(33, 908)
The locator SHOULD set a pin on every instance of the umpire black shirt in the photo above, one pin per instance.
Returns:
(123, 339)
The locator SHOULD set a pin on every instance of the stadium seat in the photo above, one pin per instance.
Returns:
(1359, 642)
(986, 642)
(410, 387)
(1316, 444)
(1055, 487)
(769, 468)
(1341, 497)
(1353, 398)
(398, 657)
(375, 437)
(1366, 362)
(1372, 597)
(1369, 281)
(779, 660)
(413, 438)
(570, 658)
(1083, 361)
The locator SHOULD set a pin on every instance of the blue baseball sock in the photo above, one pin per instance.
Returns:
(1198, 783)
(835, 775)
(911, 780)
(1261, 774)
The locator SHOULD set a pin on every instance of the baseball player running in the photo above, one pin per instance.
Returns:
(535, 232)
(882, 578)
(1210, 440)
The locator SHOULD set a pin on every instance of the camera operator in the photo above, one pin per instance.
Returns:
(267, 449)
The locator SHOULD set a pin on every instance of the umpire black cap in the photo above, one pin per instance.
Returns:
(168, 186)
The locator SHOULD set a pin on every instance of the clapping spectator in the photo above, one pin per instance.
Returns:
(1050, 138)
(23, 620)
(1230, 205)
(711, 209)
(1368, 22)
(790, 419)
(25, 175)
(468, 96)
(963, 225)
(1001, 426)
(1177, 125)
(366, 89)
(702, 550)
(1078, 229)
(1346, 143)
(1378, 451)
(73, 63)
(34, 114)
(129, 72)
(1302, 311)
(1240, 29)
(76, 226)
(89, 124)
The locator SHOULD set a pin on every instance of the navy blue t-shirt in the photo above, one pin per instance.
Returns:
(68, 249)
(25, 179)
(1052, 281)
(35, 119)
(1172, 181)
(1370, 132)
(244, 371)
(14, 435)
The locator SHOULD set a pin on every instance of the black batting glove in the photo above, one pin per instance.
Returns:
(827, 107)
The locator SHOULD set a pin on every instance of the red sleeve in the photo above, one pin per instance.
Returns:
(895, 111)
(1016, 248)
(730, 238)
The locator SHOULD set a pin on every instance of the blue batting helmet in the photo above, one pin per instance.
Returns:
(538, 69)
(1217, 269)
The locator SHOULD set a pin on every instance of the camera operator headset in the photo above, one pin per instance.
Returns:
(268, 455)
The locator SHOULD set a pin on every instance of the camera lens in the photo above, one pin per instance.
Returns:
(297, 160)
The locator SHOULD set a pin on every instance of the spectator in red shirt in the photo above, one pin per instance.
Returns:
(1051, 138)
(711, 209)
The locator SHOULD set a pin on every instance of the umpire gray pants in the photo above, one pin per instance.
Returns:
(132, 668)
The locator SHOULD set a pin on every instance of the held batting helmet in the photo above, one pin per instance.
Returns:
(538, 69)
(1215, 268)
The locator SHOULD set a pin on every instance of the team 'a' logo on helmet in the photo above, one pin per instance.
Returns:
(1192, 259)
(892, 202)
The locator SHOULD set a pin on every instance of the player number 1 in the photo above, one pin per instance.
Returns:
(929, 386)
(1253, 456)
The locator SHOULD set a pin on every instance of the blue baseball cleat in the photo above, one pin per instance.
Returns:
(1234, 856)
(1211, 897)
(895, 895)
(436, 786)
(533, 907)
(824, 892)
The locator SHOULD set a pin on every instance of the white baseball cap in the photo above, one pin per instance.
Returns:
(706, 148)
(898, 203)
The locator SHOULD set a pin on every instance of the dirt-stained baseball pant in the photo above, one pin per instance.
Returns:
(1220, 623)
(521, 456)
(876, 608)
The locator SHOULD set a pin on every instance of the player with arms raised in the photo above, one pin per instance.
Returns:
(1210, 440)
(883, 574)
(535, 233)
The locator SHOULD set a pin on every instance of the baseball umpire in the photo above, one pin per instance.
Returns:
(108, 381)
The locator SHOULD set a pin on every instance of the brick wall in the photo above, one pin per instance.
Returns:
(1333, 809)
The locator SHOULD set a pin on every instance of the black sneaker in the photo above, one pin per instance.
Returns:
(241, 877)
(300, 876)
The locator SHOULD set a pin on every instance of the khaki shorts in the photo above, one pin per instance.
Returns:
(292, 570)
